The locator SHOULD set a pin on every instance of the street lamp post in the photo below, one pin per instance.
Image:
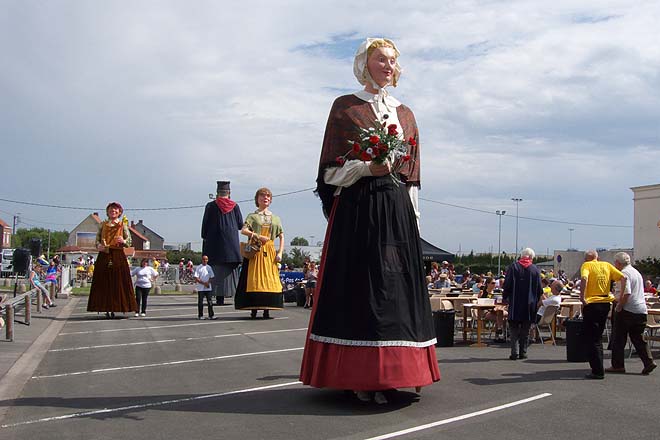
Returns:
(499, 240)
(570, 238)
(517, 200)
(17, 219)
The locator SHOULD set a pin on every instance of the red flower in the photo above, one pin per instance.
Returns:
(365, 156)
(340, 160)
(412, 142)
(374, 139)
(406, 158)
(356, 147)
(391, 130)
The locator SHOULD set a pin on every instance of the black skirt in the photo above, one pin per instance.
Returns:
(373, 291)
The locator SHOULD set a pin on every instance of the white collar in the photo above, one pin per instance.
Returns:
(385, 97)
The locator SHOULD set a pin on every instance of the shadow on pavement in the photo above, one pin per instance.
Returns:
(299, 401)
(538, 376)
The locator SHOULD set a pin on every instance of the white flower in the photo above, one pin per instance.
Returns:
(370, 151)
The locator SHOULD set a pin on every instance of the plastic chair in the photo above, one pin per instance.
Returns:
(549, 315)
(458, 307)
(651, 326)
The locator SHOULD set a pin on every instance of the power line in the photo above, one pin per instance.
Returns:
(170, 208)
(468, 208)
(526, 218)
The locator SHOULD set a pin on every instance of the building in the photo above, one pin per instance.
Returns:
(570, 261)
(5, 230)
(156, 242)
(646, 223)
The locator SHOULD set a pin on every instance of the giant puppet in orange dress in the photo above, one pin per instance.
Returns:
(112, 286)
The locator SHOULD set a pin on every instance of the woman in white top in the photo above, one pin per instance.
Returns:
(145, 275)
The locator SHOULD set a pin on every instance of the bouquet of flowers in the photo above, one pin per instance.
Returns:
(379, 144)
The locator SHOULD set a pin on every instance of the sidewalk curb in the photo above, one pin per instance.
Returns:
(13, 382)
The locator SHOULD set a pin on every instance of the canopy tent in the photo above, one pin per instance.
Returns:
(433, 253)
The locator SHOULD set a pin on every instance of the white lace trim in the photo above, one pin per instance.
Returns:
(355, 343)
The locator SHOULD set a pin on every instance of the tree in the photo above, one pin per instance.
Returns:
(295, 258)
(649, 267)
(299, 241)
(23, 236)
(174, 256)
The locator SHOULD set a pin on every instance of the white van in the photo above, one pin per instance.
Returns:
(7, 257)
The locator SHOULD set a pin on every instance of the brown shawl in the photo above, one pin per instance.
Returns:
(347, 114)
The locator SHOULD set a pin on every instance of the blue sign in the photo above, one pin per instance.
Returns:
(558, 258)
(290, 279)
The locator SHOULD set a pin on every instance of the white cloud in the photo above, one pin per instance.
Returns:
(151, 102)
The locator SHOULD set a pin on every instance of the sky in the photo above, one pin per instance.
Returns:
(151, 102)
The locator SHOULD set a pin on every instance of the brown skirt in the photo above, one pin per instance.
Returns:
(112, 286)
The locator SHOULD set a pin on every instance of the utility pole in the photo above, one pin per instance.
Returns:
(17, 219)
(499, 240)
(517, 200)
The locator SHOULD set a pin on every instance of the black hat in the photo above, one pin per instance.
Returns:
(223, 185)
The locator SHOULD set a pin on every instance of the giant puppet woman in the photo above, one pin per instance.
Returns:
(371, 327)
(112, 286)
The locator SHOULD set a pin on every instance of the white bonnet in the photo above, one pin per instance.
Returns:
(360, 63)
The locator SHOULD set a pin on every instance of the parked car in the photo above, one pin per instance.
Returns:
(6, 261)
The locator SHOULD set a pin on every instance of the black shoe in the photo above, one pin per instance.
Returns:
(266, 314)
(522, 356)
(112, 315)
(253, 314)
(647, 370)
(594, 376)
(513, 357)
(107, 315)
(52, 305)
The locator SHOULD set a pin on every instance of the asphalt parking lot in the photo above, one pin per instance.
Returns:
(169, 375)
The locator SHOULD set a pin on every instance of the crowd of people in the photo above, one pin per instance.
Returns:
(616, 292)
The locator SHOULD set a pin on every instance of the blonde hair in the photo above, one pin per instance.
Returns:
(378, 43)
(264, 191)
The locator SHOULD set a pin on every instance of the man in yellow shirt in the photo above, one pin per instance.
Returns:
(596, 297)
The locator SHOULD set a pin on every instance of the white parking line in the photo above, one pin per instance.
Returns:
(84, 311)
(459, 418)
(164, 364)
(147, 405)
(161, 326)
(128, 344)
(247, 334)
(190, 315)
(56, 350)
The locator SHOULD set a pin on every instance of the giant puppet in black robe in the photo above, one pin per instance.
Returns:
(220, 226)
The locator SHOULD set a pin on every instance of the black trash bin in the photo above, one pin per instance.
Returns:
(300, 296)
(576, 344)
(444, 327)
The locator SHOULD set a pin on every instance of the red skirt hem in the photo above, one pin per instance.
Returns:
(368, 368)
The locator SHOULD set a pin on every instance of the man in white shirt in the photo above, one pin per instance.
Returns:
(203, 275)
(554, 299)
(630, 319)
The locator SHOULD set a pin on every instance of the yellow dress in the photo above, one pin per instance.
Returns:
(259, 285)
